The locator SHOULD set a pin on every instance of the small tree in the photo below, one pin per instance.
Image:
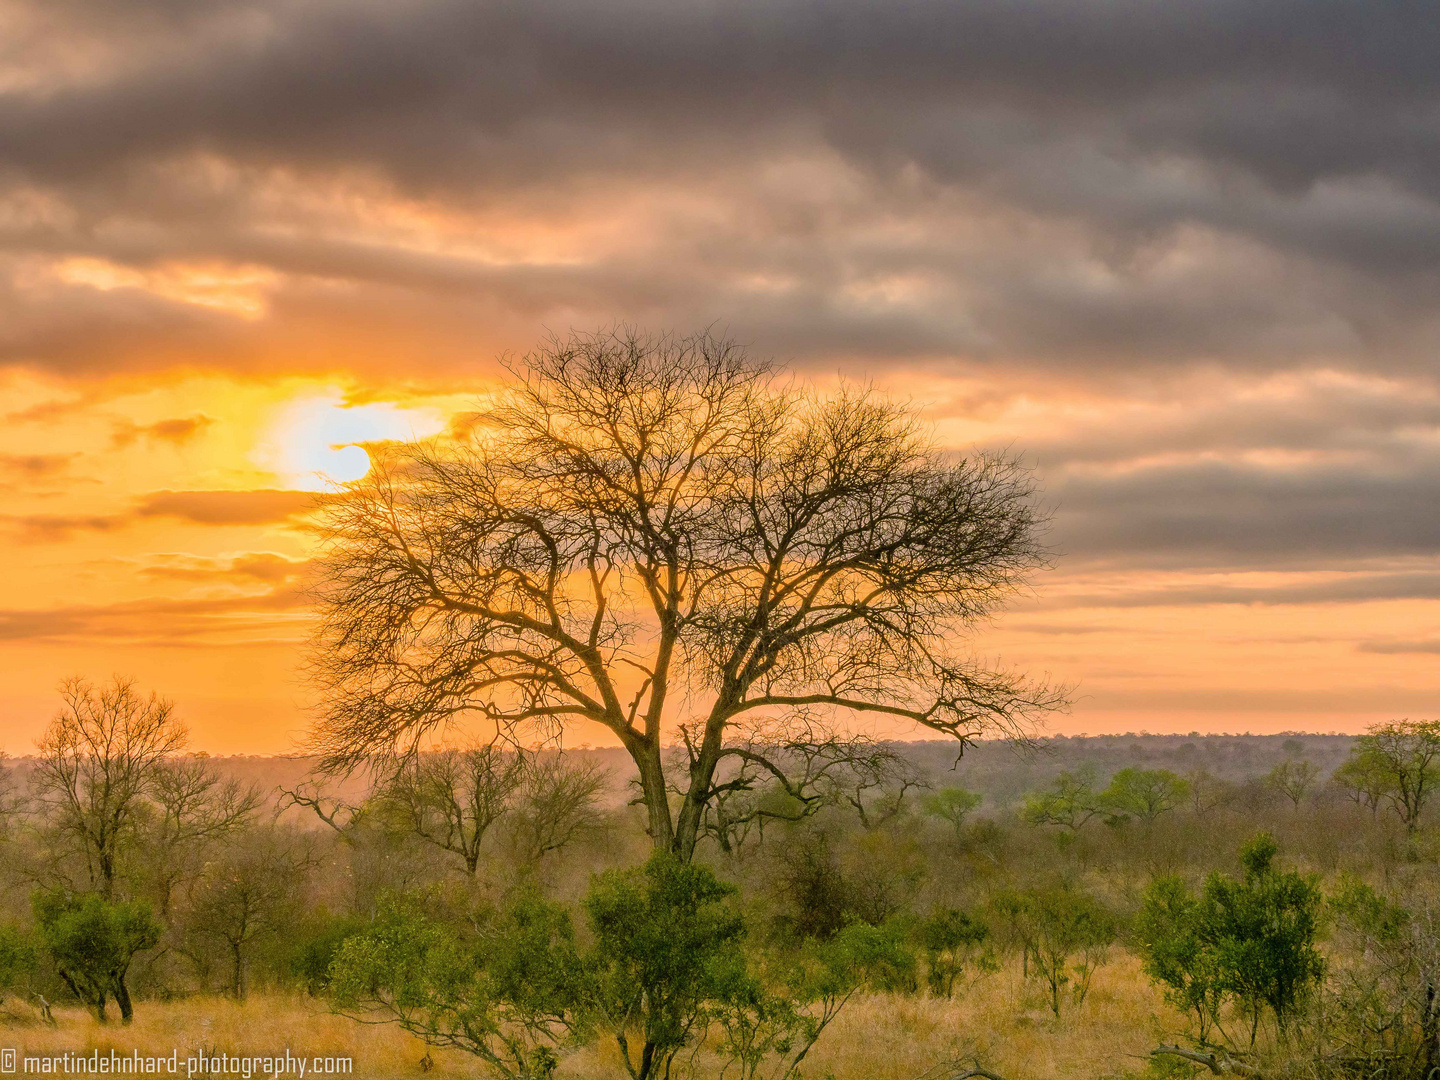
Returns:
(1293, 779)
(451, 798)
(1066, 936)
(97, 762)
(950, 939)
(952, 804)
(556, 805)
(1364, 779)
(507, 994)
(1176, 953)
(1250, 942)
(1208, 792)
(667, 946)
(1403, 759)
(250, 892)
(1143, 793)
(191, 810)
(1070, 802)
(92, 942)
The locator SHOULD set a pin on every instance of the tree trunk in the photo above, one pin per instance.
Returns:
(702, 776)
(122, 998)
(646, 754)
(238, 976)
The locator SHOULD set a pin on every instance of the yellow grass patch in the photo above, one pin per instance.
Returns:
(1002, 1020)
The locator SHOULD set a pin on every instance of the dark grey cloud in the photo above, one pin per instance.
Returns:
(1111, 195)
(1351, 588)
(1228, 513)
(1164, 184)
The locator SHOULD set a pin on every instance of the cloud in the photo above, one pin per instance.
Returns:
(264, 566)
(36, 466)
(1397, 648)
(1066, 187)
(260, 507)
(176, 431)
(51, 528)
(1356, 588)
(274, 615)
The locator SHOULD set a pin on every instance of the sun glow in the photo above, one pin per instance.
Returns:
(317, 441)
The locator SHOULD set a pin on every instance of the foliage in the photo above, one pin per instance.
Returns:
(1384, 1019)
(1250, 942)
(315, 942)
(93, 941)
(1143, 793)
(507, 993)
(1293, 779)
(667, 945)
(1070, 802)
(1402, 762)
(1055, 926)
(952, 804)
(950, 939)
(17, 958)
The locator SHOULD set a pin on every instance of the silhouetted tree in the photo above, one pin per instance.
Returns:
(649, 519)
(98, 761)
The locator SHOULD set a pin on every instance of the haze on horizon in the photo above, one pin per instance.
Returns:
(1183, 257)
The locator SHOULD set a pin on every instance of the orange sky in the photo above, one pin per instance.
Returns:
(1192, 281)
(155, 526)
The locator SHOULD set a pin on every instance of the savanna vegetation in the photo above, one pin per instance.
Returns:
(734, 581)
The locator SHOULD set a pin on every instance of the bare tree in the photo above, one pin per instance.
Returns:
(12, 802)
(650, 529)
(336, 811)
(98, 760)
(451, 798)
(191, 808)
(250, 892)
(1293, 779)
(556, 804)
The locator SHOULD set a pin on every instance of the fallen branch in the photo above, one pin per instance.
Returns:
(1217, 1064)
(986, 1073)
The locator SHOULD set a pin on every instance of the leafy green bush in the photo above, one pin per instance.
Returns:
(17, 958)
(667, 945)
(508, 993)
(93, 941)
(950, 939)
(316, 943)
(1247, 942)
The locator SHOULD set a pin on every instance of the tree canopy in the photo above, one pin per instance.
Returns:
(646, 531)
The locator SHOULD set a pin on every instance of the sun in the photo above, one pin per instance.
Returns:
(316, 441)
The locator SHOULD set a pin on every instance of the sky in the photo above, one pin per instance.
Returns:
(1183, 258)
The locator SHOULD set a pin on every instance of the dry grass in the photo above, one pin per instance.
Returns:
(1001, 1020)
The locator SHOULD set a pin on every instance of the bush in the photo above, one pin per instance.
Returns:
(667, 945)
(93, 941)
(1250, 942)
(316, 945)
(17, 958)
(508, 994)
